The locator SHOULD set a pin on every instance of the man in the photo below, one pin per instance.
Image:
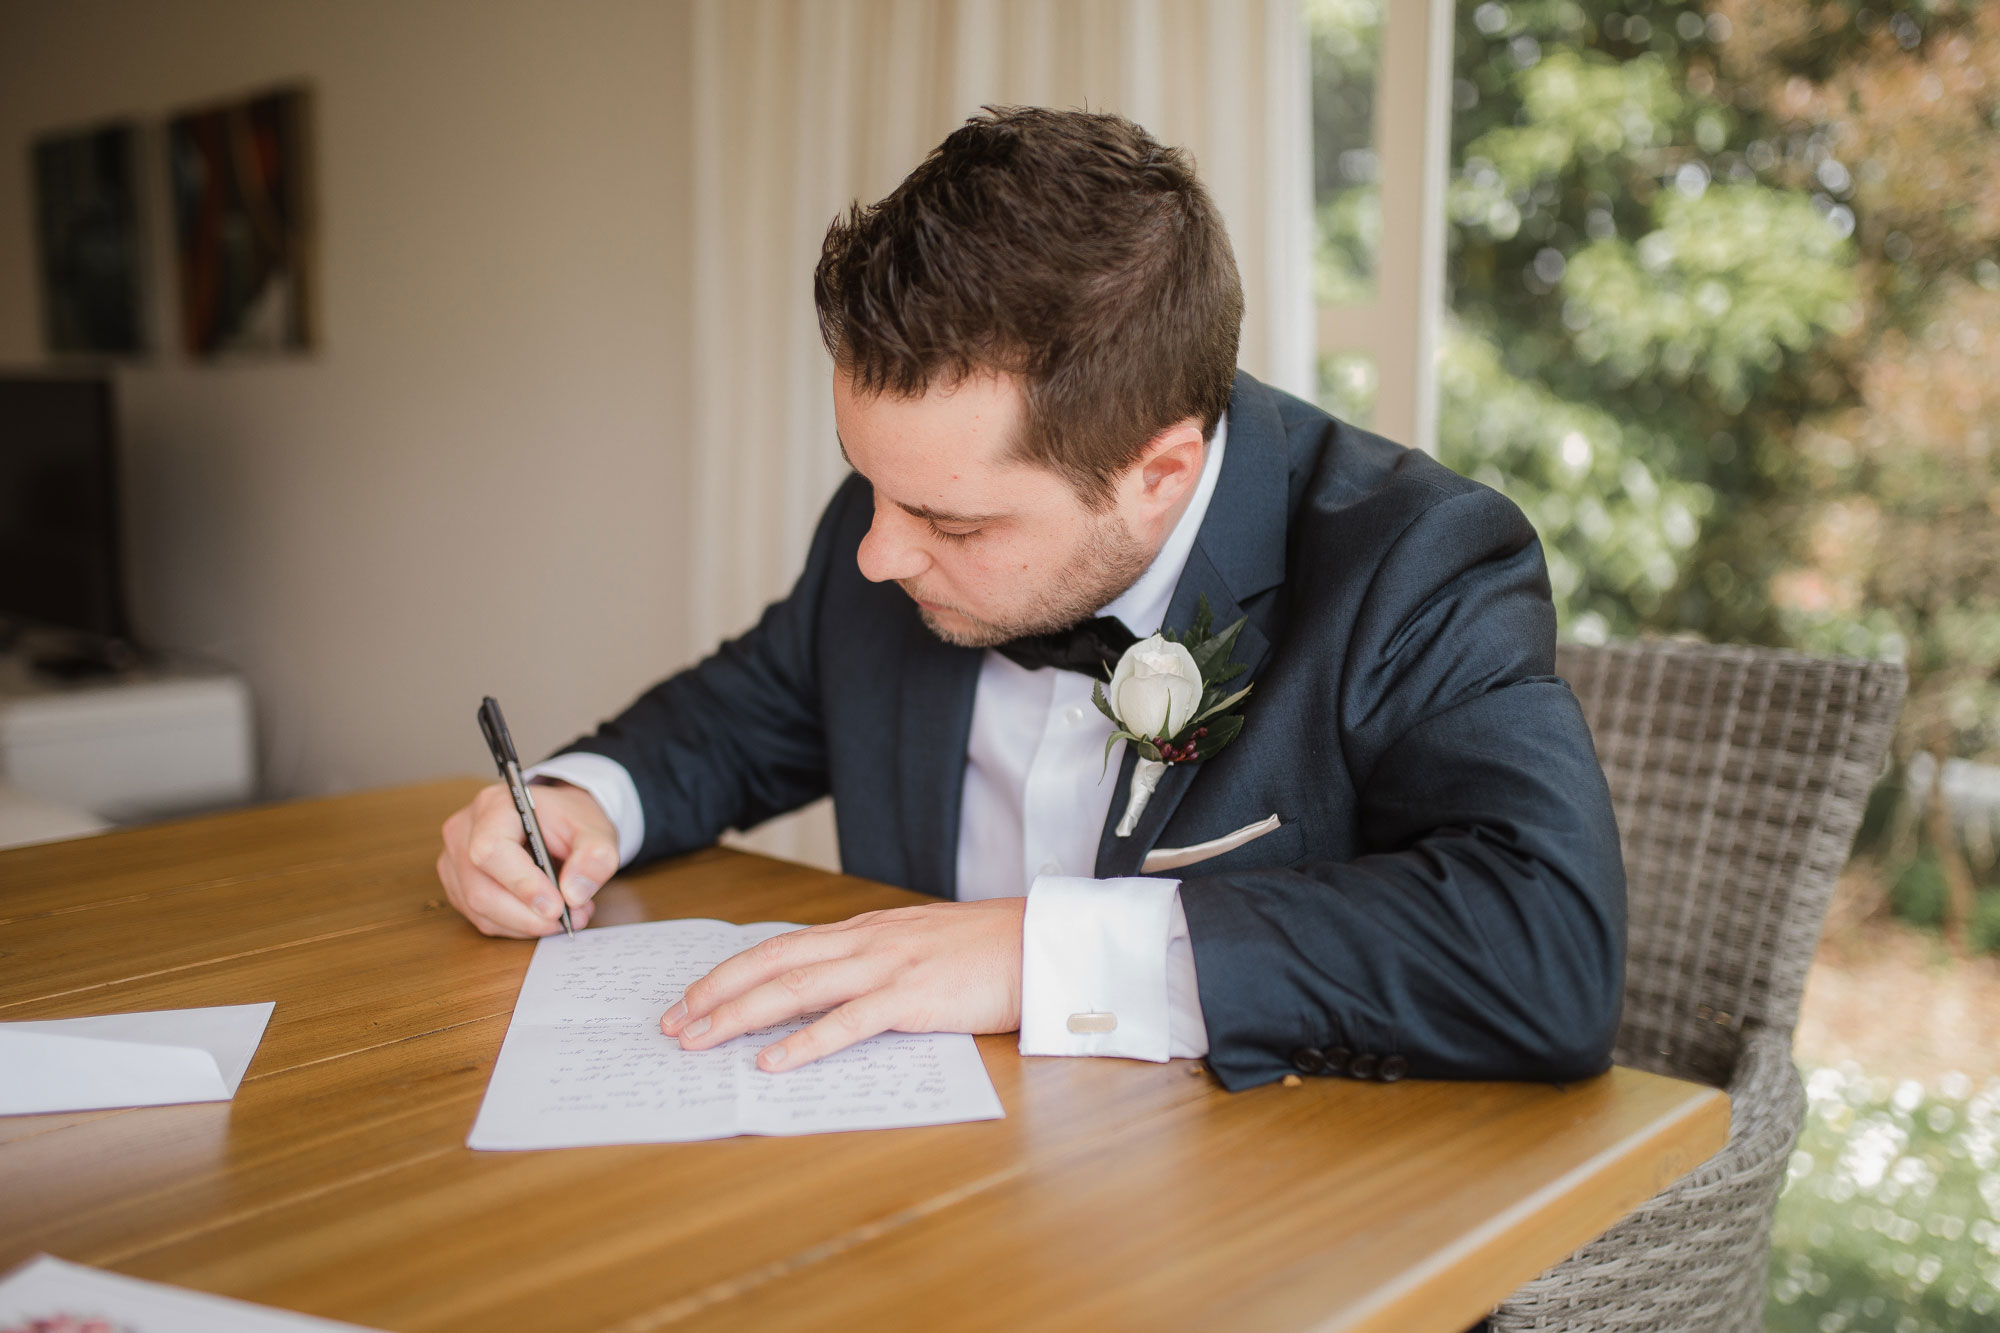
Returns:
(1411, 864)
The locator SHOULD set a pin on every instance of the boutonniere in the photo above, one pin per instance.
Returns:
(1167, 698)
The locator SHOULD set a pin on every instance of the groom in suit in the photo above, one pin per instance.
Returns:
(1404, 864)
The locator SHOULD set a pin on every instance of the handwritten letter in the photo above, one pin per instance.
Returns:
(584, 1061)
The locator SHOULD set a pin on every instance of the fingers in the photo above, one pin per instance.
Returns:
(488, 875)
(494, 911)
(489, 907)
(497, 846)
(857, 1020)
(580, 836)
(508, 866)
(743, 972)
(795, 991)
(943, 967)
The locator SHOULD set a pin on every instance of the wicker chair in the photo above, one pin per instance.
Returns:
(1738, 776)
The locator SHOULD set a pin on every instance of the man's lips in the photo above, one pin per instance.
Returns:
(928, 606)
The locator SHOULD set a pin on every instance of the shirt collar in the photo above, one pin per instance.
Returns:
(1143, 606)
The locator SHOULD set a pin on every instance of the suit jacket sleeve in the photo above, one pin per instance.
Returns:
(738, 737)
(1481, 933)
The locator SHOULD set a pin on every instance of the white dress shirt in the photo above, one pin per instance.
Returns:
(1037, 794)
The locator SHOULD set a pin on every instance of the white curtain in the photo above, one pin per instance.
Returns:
(805, 106)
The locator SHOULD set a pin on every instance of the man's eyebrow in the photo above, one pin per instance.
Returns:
(940, 516)
(921, 511)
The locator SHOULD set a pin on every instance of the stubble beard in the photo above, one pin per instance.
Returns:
(1109, 561)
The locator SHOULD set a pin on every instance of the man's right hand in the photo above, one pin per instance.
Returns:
(490, 877)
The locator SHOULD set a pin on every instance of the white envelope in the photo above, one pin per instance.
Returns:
(44, 1287)
(148, 1059)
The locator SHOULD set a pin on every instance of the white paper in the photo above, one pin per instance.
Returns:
(44, 1288)
(585, 1062)
(156, 1058)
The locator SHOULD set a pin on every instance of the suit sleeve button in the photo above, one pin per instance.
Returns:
(1309, 1060)
(1337, 1058)
(1393, 1068)
(1363, 1065)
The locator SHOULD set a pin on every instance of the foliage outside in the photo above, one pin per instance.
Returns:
(1724, 285)
(1726, 291)
(1725, 294)
(1891, 1212)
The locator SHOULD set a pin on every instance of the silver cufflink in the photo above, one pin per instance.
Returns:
(1093, 1022)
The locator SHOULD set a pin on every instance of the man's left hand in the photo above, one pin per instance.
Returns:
(942, 967)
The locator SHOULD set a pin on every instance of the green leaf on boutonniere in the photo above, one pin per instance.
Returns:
(1229, 702)
(1103, 704)
(1220, 732)
(1212, 654)
(1228, 671)
(1123, 735)
(1212, 726)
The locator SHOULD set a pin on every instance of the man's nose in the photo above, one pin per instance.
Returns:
(887, 551)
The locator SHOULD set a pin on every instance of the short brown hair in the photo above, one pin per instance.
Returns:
(1067, 247)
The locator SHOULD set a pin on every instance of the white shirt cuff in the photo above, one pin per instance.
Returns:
(610, 785)
(1109, 953)
(1187, 1030)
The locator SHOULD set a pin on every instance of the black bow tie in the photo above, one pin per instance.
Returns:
(1091, 648)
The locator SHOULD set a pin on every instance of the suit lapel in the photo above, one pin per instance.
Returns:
(1118, 856)
(1239, 552)
(933, 725)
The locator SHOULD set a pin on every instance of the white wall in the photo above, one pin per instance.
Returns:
(504, 335)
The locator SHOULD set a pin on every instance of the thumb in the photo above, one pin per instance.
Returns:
(592, 859)
(583, 840)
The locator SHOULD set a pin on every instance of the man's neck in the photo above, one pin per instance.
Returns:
(1144, 605)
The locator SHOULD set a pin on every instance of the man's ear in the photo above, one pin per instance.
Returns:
(1170, 465)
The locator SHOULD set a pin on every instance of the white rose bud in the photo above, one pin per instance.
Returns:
(1156, 688)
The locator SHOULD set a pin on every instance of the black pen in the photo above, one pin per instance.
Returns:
(494, 728)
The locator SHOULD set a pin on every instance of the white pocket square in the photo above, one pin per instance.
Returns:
(1172, 858)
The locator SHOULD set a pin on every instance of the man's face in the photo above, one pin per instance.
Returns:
(990, 546)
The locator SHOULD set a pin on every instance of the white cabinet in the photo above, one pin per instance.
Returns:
(141, 745)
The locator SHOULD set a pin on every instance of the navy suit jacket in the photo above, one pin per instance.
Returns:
(1446, 888)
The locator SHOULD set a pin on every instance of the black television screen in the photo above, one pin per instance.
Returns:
(59, 542)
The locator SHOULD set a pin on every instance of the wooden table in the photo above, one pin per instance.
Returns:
(1114, 1194)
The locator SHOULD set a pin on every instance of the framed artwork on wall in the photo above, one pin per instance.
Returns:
(239, 177)
(90, 249)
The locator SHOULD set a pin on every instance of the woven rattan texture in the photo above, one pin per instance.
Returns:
(1694, 1257)
(1738, 776)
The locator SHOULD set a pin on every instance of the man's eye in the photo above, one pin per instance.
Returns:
(939, 532)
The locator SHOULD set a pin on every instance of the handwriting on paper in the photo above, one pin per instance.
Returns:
(584, 1061)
